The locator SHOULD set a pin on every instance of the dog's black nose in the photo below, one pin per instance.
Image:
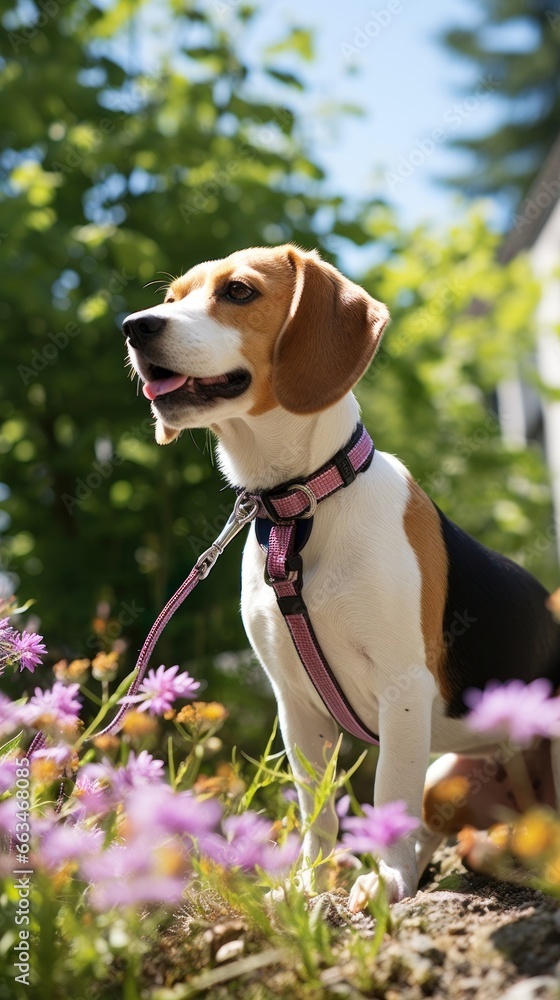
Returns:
(139, 329)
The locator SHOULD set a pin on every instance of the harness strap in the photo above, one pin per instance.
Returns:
(282, 532)
(284, 520)
(284, 573)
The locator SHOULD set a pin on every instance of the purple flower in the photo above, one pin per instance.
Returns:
(66, 842)
(58, 704)
(520, 711)
(381, 827)
(29, 649)
(140, 871)
(7, 646)
(159, 809)
(7, 774)
(343, 805)
(161, 688)
(60, 754)
(148, 888)
(9, 812)
(138, 771)
(91, 795)
(248, 844)
(100, 787)
(10, 715)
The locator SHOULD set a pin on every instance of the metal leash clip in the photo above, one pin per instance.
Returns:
(245, 510)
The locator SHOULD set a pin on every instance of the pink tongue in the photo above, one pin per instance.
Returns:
(163, 385)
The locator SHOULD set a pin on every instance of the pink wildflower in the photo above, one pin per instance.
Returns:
(520, 711)
(381, 827)
(160, 689)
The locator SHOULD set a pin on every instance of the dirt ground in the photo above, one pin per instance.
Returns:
(464, 936)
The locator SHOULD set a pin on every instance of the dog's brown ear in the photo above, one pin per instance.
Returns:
(164, 434)
(331, 333)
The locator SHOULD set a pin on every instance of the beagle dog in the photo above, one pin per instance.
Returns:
(264, 348)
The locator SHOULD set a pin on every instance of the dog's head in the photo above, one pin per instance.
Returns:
(261, 328)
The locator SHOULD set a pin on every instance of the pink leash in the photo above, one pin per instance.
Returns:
(279, 513)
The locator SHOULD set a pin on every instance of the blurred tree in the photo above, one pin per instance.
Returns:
(527, 79)
(112, 176)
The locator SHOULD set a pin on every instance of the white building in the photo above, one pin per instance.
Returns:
(523, 413)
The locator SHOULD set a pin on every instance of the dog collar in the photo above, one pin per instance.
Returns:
(298, 498)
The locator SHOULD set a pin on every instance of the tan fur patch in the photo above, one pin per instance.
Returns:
(260, 321)
(423, 530)
(446, 808)
(308, 336)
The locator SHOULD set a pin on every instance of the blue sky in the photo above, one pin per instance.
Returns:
(415, 95)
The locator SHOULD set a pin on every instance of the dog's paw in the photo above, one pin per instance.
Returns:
(367, 886)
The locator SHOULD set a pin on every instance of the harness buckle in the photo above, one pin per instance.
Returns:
(245, 509)
(267, 502)
(294, 566)
(344, 467)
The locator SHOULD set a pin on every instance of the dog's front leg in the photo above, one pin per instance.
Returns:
(404, 734)
(314, 733)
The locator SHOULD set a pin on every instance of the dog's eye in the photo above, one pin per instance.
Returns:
(237, 291)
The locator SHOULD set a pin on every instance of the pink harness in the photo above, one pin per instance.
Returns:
(284, 519)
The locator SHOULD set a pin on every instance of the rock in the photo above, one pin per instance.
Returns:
(536, 988)
(230, 950)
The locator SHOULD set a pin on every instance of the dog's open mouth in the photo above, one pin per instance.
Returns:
(162, 383)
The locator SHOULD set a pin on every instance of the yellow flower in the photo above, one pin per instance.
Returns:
(224, 782)
(107, 743)
(105, 665)
(139, 724)
(533, 834)
(61, 670)
(169, 859)
(44, 770)
(74, 671)
(203, 715)
(499, 835)
(78, 668)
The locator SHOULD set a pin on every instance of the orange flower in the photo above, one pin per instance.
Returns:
(78, 668)
(105, 665)
(534, 833)
(224, 782)
(107, 743)
(203, 716)
(74, 671)
(139, 724)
